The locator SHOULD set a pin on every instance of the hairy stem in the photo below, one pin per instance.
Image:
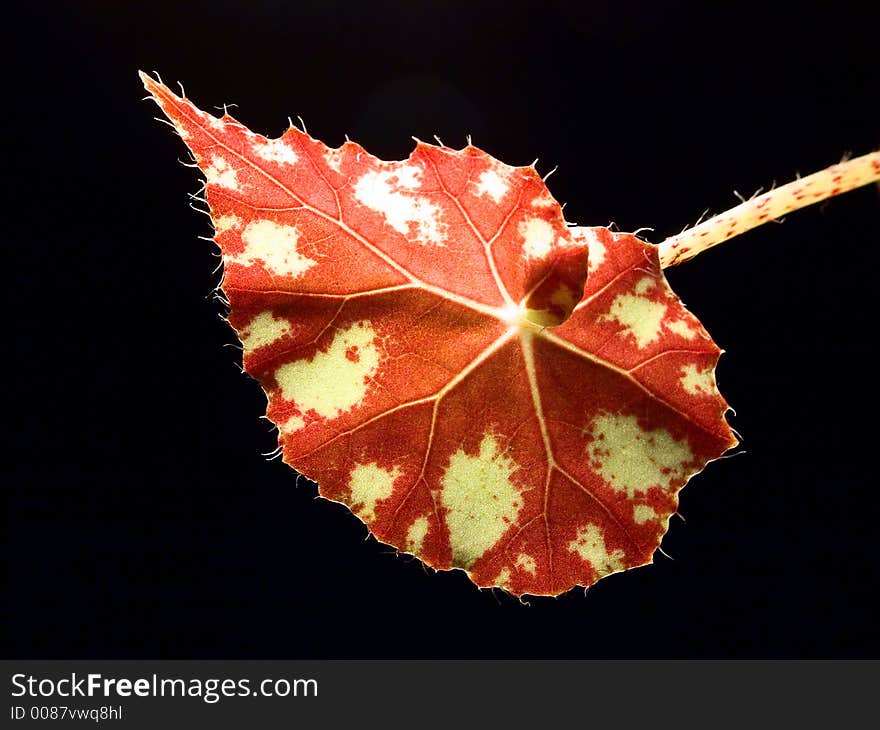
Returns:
(771, 205)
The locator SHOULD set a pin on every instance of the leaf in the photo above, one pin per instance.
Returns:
(432, 358)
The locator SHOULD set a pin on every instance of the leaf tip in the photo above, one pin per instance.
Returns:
(150, 84)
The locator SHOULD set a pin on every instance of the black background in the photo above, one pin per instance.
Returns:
(142, 520)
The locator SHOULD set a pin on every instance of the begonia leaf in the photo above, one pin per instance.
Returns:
(483, 385)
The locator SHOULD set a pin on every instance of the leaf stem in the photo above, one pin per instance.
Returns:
(771, 205)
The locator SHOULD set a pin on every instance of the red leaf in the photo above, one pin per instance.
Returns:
(396, 315)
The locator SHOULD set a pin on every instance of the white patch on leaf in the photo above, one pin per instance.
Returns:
(537, 235)
(596, 249)
(273, 244)
(643, 513)
(276, 150)
(492, 184)
(526, 563)
(225, 223)
(335, 381)
(502, 580)
(695, 381)
(333, 158)
(292, 424)
(640, 316)
(633, 460)
(681, 328)
(589, 544)
(263, 330)
(543, 201)
(481, 500)
(389, 192)
(370, 484)
(415, 535)
(221, 173)
(644, 285)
